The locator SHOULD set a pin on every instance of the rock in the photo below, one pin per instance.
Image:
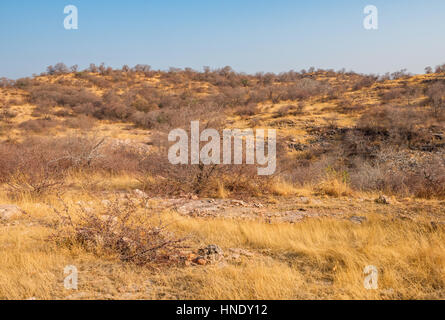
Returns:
(77, 296)
(297, 146)
(305, 200)
(212, 253)
(88, 210)
(84, 206)
(358, 220)
(211, 249)
(8, 211)
(433, 225)
(127, 243)
(291, 216)
(235, 256)
(241, 252)
(187, 263)
(192, 257)
(106, 203)
(382, 200)
(201, 261)
(198, 207)
(140, 194)
(108, 218)
(239, 203)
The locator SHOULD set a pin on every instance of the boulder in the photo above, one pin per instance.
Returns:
(8, 211)
(210, 254)
(201, 261)
(140, 194)
(211, 249)
(382, 200)
(106, 203)
(358, 220)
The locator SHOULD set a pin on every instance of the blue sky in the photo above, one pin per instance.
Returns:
(249, 35)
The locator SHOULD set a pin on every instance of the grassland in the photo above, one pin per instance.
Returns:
(74, 143)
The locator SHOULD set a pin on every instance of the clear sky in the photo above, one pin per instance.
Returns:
(249, 35)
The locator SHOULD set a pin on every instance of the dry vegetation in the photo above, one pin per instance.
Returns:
(84, 157)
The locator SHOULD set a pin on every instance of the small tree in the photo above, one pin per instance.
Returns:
(74, 68)
(61, 68)
(436, 95)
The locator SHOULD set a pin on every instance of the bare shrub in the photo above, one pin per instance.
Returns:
(29, 170)
(40, 165)
(38, 125)
(162, 178)
(159, 176)
(398, 173)
(284, 111)
(392, 94)
(6, 83)
(440, 68)
(436, 96)
(335, 184)
(364, 82)
(124, 228)
(6, 113)
(82, 122)
(143, 119)
(62, 95)
(248, 110)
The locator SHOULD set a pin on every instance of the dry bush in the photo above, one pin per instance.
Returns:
(247, 110)
(141, 104)
(62, 95)
(63, 113)
(112, 106)
(39, 165)
(364, 82)
(258, 94)
(118, 159)
(335, 184)
(162, 178)
(82, 122)
(400, 126)
(436, 97)
(23, 83)
(159, 176)
(122, 228)
(401, 176)
(6, 83)
(286, 110)
(428, 182)
(392, 94)
(143, 119)
(347, 106)
(440, 68)
(305, 88)
(95, 80)
(28, 169)
(39, 125)
(6, 113)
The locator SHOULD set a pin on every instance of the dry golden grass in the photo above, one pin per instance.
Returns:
(409, 256)
(313, 259)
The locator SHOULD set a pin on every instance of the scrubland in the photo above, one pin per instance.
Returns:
(85, 181)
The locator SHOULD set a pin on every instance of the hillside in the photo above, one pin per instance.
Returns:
(85, 180)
